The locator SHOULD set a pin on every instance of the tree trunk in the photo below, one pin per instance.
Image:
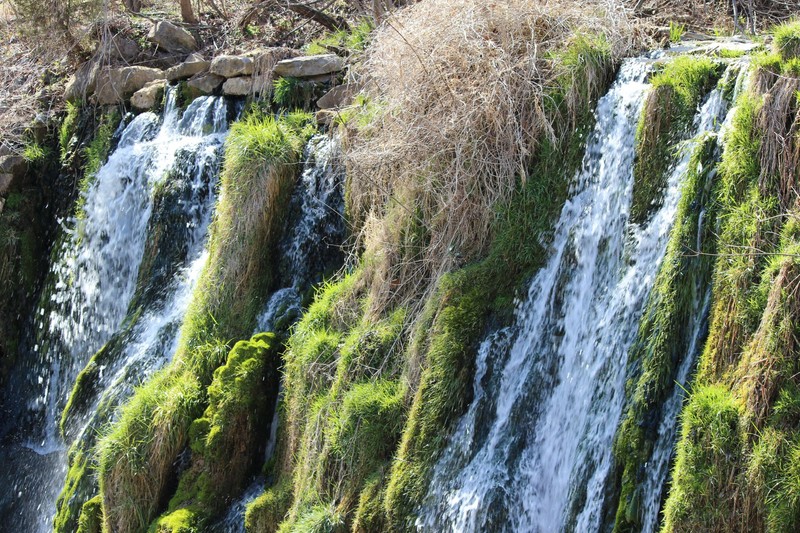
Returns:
(134, 6)
(186, 12)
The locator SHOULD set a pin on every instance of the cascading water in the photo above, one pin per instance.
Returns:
(310, 248)
(160, 179)
(533, 452)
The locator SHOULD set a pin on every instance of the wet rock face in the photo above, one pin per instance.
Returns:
(171, 38)
(309, 66)
(232, 66)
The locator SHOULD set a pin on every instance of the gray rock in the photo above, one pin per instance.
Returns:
(148, 96)
(2, 204)
(194, 64)
(237, 86)
(206, 83)
(82, 83)
(13, 165)
(120, 83)
(171, 38)
(124, 48)
(309, 66)
(5, 183)
(232, 66)
(339, 96)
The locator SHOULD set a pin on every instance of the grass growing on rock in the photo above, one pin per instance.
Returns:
(665, 121)
(137, 454)
(735, 468)
(227, 439)
(664, 337)
(372, 385)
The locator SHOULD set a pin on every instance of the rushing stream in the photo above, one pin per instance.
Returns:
(533, 452)
(162, 175)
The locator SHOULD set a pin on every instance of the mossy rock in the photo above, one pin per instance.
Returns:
(91, 519)
(265, 513)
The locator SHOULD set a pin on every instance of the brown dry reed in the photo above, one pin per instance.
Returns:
(456, 100)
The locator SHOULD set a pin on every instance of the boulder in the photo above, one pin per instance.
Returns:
(82, 83)
(206, 83)
(309, 66)
(13, 165)
(339, 96)
(194, 64)
(232, 66)
(120, 83)
(149, 96)
(237, 86)
(124, 48)
(171, 38)
(5, 183)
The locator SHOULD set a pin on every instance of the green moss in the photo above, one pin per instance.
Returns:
(266, 512)
(262, 157)
(225, 441)
(180, 521)
(786, 40)
(664, 336)
(68, 127)
(454, 323)
(665, 121)
(77, 488)
(706, 464)
(369, 513)
(295, 93)
(342, 41)
(91, 520)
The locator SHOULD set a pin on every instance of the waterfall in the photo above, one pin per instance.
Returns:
(533, 452)
(121, 281)
(310, 247)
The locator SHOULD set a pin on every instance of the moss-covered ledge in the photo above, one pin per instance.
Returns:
(666, 119)
(137, 454)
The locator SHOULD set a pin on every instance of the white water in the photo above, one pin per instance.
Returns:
(95, 277)
(308, 248)
(715, 116)
(537, 453)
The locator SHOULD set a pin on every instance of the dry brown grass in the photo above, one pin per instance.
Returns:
(461, 90)
(779, 119)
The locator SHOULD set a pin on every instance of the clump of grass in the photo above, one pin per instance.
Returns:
(666, 118)
(786, 40)
(67, 129)
(342, 41)
(91, 520)
(266, 512)
(35, 153)
(262, 157)
(448, 147)
(707, 460)
(676, 31)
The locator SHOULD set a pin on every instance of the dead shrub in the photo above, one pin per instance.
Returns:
(459, 94)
